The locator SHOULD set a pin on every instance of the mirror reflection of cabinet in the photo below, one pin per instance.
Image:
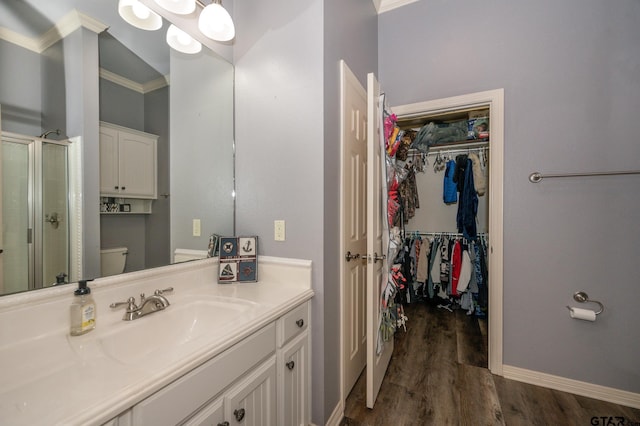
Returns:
(128, 163)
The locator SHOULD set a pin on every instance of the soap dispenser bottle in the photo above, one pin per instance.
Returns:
(83, 310)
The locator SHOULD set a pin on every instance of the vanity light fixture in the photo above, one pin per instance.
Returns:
(181, 41)
(180, 7)
(216, 23)
(139, 15)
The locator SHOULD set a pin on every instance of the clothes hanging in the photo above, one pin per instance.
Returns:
(454, 272)
(450, 190)
(468, 203)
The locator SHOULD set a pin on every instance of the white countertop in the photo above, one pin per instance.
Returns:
(48, 377)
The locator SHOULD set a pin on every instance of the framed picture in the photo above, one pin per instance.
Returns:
(238, 259)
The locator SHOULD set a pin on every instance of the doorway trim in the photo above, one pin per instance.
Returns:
(494, 99)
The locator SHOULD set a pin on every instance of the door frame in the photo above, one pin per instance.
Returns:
(494, 99)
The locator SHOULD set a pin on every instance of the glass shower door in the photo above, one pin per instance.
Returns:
(54, 250)
(17, 265)
(35, 207)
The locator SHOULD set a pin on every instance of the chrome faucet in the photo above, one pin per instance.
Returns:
(148, 305)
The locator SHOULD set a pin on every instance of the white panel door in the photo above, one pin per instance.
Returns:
(377, 363)
(353, 225)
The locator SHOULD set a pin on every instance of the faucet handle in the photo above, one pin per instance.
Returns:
(131, 304)
(166, 290)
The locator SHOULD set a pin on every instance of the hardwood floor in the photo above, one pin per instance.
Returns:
(438, 376)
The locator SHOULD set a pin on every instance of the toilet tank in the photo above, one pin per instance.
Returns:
(112, 261)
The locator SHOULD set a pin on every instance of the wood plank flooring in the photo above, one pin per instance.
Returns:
(438, 376)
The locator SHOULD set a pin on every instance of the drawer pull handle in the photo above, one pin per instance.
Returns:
(223, 424)
(239, 414)
(300, 323)
(291, 365)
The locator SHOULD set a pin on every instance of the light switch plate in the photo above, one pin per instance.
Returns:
(279, 230)
(196, 227)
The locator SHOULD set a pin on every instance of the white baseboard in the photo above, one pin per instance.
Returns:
(337, 415)
(589, 390)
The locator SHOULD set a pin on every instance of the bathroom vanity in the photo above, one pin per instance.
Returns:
(219, 354)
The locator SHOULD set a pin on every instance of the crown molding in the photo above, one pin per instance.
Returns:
(387, 5)
(121, 81)
(20, 40)
(156, 84)
(65, 26)
(132, 85)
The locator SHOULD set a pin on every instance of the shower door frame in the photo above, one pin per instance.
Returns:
(35, 231)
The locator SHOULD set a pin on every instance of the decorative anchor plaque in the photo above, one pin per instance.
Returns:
(238, 259)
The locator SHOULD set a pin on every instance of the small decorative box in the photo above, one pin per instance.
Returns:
(238, 259)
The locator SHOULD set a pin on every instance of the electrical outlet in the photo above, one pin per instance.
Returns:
(278, 230)
(196, 227)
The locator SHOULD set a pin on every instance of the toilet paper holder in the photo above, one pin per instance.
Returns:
(582, 297)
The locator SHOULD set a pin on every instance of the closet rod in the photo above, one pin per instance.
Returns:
(536, 177)
(459, 151)
(448, 234)
(465, 146)
(451, 151)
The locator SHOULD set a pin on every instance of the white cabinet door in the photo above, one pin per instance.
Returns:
(109, 184)
(293, 382)
(128, 163)
(252, 402)
(137, 165)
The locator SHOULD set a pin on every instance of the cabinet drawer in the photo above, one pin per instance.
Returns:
(183, 397)
(212, 414)
(293, 323)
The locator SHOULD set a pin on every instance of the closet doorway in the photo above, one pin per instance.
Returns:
(493, 101)
(352, 280)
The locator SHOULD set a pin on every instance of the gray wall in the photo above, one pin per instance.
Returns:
(201, 152)
(571, 76)
(350, 33)
(54, 91)
(287, 132)
(21, 94)
(122, 106)
(157, 226)
(278, 55)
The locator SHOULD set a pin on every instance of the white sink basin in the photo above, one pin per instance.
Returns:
(167, 331)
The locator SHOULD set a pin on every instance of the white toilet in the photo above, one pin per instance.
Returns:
(112, 261)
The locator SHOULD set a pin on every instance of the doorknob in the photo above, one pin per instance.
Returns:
(375, 257)
(350, 256)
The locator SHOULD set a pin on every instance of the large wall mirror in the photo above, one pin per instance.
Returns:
(53, 99)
